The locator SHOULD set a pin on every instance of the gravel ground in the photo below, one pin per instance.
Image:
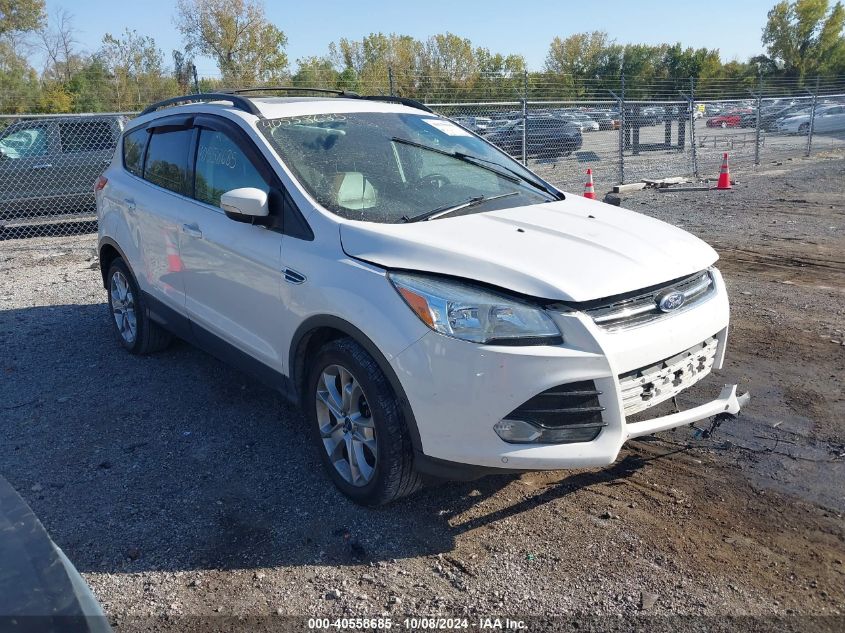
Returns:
(181, 489)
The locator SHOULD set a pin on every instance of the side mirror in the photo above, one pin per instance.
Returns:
(246, 204)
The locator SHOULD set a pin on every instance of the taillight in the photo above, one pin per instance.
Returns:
(100, 183)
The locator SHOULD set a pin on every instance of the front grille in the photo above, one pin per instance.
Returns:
(574, 405)
(642, 307)
(647, 386)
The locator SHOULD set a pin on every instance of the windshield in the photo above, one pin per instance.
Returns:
(389, 167)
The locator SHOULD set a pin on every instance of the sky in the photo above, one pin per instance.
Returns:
(525, 26)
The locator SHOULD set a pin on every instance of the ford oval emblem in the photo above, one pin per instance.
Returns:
(670, 300)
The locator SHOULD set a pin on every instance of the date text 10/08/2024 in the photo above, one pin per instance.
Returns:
(418, 624)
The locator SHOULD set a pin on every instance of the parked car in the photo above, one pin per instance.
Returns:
(829, 118)
(646, 116)
(583, 122)
(547, 137)
(477, 124)
(604, 119)
(729, 119)
(49, 165)
(434, 306)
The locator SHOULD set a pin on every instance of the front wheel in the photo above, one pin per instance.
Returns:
(804, 128)
(135, 331)
(724, 124)
(358, 425)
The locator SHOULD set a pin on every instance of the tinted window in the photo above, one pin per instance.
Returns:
(221, 167)
(85, 136)
(167, 159)
(26, 143)
(133, 151)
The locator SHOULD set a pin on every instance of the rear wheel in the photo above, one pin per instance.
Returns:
(724, 124)
(358, 425)
(804, 128)
(135, 331)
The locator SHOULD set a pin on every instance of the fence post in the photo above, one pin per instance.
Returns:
(812, 118)
(524, 117)
(692, 110)
(390, 80)
(757, 123)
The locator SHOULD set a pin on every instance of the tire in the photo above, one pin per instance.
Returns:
(804, 128)
(370, 413)
(723, 124)
(126, 306)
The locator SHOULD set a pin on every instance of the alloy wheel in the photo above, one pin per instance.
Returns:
(123, 307)
(346, 425)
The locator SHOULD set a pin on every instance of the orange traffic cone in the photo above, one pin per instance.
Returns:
(589, 190)
(724, 174)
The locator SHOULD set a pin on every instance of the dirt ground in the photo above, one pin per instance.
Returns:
(180, 489)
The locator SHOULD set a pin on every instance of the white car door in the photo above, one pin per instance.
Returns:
(155, 209)
(232, 270)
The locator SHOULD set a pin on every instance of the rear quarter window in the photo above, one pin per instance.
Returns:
(166, 163)
(86, 136)
(133, 152)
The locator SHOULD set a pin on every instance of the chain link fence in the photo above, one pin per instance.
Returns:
(557, 126)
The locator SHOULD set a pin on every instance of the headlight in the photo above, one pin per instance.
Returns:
(473, 314)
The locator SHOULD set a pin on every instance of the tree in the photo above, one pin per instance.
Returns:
(21, 15)
(236, 33)
(60, 48)
(184, 71)
(136, 65)
(804, 38)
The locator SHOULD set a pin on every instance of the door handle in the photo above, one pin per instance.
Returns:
(130, 204)
(191, 229)
(42, 166)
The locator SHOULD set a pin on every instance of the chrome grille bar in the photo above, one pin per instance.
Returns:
(643, 308)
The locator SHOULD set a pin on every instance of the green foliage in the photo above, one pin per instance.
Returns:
(804, 38)
(21, 16)
(236, 33)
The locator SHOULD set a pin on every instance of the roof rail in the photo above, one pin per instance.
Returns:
(411, 103)
(339, 93)
(241, 103)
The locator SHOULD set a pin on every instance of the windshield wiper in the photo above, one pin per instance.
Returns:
(531, 181)
(512, 175)
(450, 208)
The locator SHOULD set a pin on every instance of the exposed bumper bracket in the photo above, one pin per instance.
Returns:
(727, 403)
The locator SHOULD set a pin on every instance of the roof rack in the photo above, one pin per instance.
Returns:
(241, 103)
(339, 93)
(245, 104)
(412, 103)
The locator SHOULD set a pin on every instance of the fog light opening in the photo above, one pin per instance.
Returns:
(522, 432)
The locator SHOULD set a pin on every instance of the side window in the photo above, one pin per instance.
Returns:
(85, 136)
(26, 143)
(167, 159)
(133, 151)
(222, 166)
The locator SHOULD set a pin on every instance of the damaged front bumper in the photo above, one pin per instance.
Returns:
(464, 395)
(727, 402)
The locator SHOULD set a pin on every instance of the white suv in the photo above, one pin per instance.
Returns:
(432, 305)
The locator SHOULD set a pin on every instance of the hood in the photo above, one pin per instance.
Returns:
(571, 250)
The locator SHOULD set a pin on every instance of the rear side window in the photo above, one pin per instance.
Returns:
(85, 136)
(167, 159)
(221, 167)
(26, 143)
(133, 152)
